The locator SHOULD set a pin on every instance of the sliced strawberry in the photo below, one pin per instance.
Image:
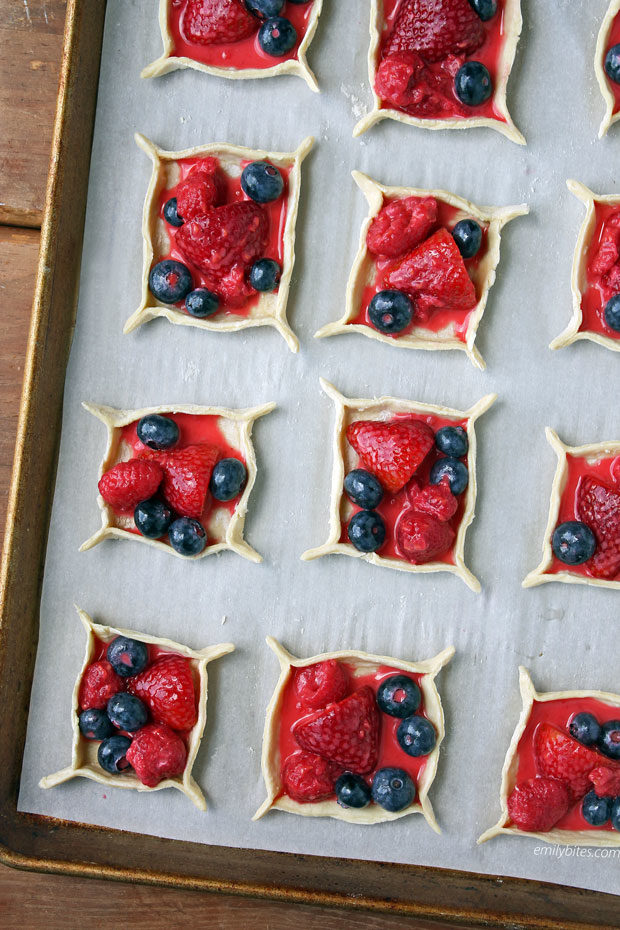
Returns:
(435, 276)
(598, 505)
(420, 537)
(127, 483)
(99, 683)
(436, 500)
(401, 225)
(607, 253)
(235, 233)
(156, 752)
(212, 22)
(436, 29)
(322, 683)
(308, 777)
(560, 756)
(346, 732)
(167, 688)
(202, 189)
(392, 450)
(537, 805)
(187, 473)
(606, 780)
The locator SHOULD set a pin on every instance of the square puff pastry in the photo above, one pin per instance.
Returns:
(84, 752)
(513, 22)
(270, 308)
(381, 408)
(298, 66)
(579, 280)
(364, 663)
(509, 772)
(599, 67)
(593, 453)
(225, 528)
(364, 268)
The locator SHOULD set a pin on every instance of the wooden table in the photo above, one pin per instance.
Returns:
(30, 44)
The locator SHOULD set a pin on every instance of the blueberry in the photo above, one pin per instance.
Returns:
(111, 754)
(363, 489)
(452, 440)
(486, 9)
(170, 213)
(390, 311)
(265, 275)
(612, 310)
(612, 64)
(277, 36)
(615, 813)
(473, 84)
(227, 479)
(392, 789)
(95, 724)
(170, 281)
(152, 518)
(187, 536)
(585, 728)
(596, 811)
(398, 696)
(352, 791)
(366, 531)
(202, 302)
(261, 181)
(573, 542)
(158, 432)
(416, 736)
(609, 740)
(127, 712)
(468, 237)
(456, 471)
(264, 9)
(127, 656)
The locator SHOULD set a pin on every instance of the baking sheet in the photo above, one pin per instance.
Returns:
(563, 633)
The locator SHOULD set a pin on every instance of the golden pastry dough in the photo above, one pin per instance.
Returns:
(512, 30)
(579, 280)
(84, 752)
(364, 270)
(364, 663)
(511, 765)
(592, 453)
(345, 458)
(599, 67)
(224, 528)
(168, 61)
(270, 308)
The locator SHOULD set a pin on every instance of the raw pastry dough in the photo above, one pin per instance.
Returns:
(84, 752)
(511, 764)
(591, 453)
(364, 268)
(579, 281)
(365, 663)
(298, 66)
(512, 30)
(345, 458)
(599, 67)
(270, 308)
(224, 527)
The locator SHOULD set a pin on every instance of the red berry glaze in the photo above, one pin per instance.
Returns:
(322, 683)
(167, 688)
(598, 505)
(156, 752)
(346, 732)
(420, 537)
(560, 756)
(186, 476)
(127, 483)
(538, 804)
(213, 22)
(392, 450)
(401, 225)
(99, 683)
(308, 777)
(436, 29)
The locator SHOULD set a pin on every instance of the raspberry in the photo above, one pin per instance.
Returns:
(186, 474)
(234, 234)
(606, 781)
(611, 281)
(435, 29)
(99, 683)
(403, 81)
(126, 484)
(308, 777)
(607, 253)
(420, 537)
(321, 684)
(156, 752)
(560, 756)
(598, 506)
(537, 805)
(202, 189)
(346, 732)
(401, 225)
(393, 451)
(436, 500)
(212, 22)
(167, 689)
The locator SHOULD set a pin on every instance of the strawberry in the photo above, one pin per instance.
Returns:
(202, 189)
(607, 253)
(401, 225)
(99, 683)
(308, 777)
(404, 81)
(560, 756)
(435, 276)
(606, 780)
(393, 451)
(322, 683)
(156, 752)
(436, 500)
(212, 22)
(167, 688)
(186, 473)
(537, 805)
(235, 233)
(346, 732)
(435, 29)
(420, 537)
(126, 484)
(598, 505)
(611, 281)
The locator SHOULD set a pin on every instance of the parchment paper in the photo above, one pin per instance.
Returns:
(565, 634)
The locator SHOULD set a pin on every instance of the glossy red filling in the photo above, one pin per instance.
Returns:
(599, 288)
(613, 39)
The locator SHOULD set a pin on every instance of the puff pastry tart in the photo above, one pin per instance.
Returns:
(237, 38)
(219, 237)
(177, 478)
(561, 776)
(607, 65)
(138, 712)
(442, 64)
(582, 539)
(595, 279)
(425, 265)
(353, 736)
(403, 483)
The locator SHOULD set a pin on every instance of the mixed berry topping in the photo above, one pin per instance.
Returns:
(600, 297)
(612, 64)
